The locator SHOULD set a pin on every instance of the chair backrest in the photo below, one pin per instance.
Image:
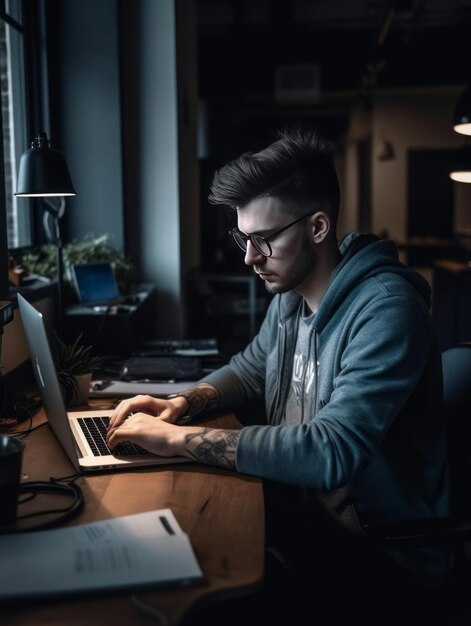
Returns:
(456, 365)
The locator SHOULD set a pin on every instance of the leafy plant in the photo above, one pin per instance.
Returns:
(91, 250)
(72, 360)
(42, 260)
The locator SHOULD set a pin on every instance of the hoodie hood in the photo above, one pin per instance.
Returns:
(363, 256)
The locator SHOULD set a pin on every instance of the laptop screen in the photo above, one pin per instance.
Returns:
(95, 282)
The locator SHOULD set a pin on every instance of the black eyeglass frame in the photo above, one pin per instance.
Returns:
(241, 238)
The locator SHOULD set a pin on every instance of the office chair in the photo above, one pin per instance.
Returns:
(456, 366)
(456, 363)
(455, 529)
(394, 591)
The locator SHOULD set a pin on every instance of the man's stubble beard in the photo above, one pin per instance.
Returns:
(299, 270)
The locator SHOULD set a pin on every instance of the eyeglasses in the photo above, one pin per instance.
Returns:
(261, 244)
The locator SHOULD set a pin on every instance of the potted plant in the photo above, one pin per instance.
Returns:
(42, 261)
(75, 365)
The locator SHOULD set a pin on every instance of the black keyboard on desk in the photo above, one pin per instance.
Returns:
(176, 345)
(95, 429)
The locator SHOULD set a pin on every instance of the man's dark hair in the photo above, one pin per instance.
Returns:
(298, 169)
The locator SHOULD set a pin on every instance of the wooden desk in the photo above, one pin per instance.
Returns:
(221, 511)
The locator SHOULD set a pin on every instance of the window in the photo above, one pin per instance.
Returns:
(14, 119)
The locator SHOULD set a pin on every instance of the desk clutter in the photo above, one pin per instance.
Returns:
(181, 347)
(165, 361)
(157, 368)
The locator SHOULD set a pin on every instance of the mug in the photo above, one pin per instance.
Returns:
(11, 456)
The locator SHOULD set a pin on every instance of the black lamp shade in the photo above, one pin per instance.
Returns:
(462, 114)
(43, 171)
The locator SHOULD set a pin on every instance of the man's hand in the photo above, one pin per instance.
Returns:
(165, 410)
(211, 446)
(152, 433)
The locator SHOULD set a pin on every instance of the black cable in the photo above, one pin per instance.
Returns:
(28, 491)
(19, 406)
(31, 430)
(21, 434)
(32, 489)
(102, 321)
(71, 478)
(30, 496)
(104, 317)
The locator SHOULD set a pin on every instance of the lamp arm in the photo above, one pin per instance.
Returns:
(51, 209)
(56, 212)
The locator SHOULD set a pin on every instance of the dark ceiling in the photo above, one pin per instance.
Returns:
(357, 44)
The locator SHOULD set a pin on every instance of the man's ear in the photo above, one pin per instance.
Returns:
(320, 226)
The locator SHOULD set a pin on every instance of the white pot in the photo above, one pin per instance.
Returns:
(82, 388)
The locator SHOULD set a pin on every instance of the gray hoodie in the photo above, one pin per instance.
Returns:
(376, 431)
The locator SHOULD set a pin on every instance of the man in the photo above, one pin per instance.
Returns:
(345, 362)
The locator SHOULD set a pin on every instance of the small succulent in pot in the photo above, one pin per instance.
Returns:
(74, 361)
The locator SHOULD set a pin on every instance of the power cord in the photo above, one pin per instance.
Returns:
(58, 486)
(23, 409)
(16, 407)
(29, 410)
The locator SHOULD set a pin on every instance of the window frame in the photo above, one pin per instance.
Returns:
(15, 41)
(34, 92)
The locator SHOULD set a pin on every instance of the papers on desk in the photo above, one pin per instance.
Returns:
(130, 551)
(121, 388)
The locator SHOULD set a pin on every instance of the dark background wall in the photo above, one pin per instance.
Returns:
(149, 98)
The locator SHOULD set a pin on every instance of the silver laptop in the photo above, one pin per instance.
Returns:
(81, 433)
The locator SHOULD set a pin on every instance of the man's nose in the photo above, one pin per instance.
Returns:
(252, 255)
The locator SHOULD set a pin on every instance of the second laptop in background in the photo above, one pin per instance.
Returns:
(95, 284)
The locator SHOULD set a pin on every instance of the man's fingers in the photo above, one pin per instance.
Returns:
(130, 405)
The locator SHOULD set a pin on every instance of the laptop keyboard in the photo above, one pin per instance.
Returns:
(95, 428)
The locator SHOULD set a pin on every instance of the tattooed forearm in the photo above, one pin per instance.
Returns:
(213, 447)
(204, 397)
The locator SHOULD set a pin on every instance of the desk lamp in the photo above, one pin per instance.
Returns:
(43, 174)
